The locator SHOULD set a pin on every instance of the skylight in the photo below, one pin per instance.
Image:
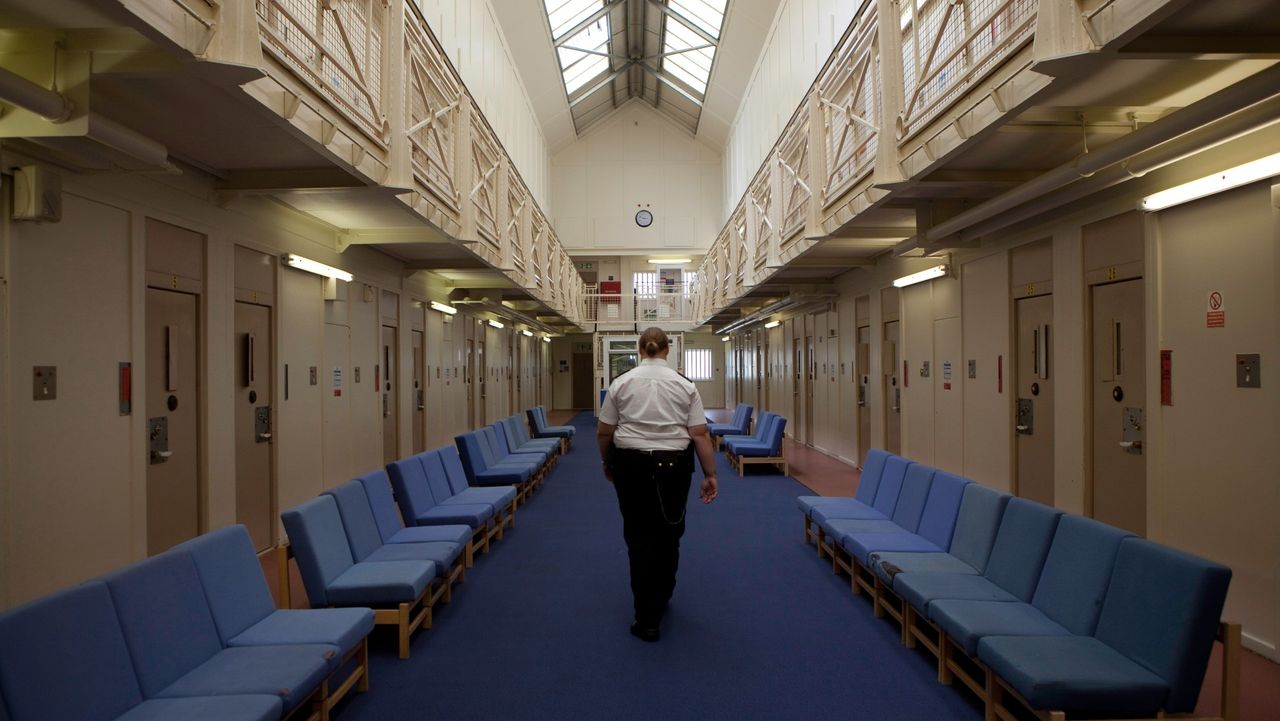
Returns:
(688, 53)
(576, 66)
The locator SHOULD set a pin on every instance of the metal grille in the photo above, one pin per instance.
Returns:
(761, 194)
(539, 231)
(739, 239)
(793, 164)
(949, 45)
(849, 93)
(337, 48)
(517, 198)
(697, 364)
(486, 156)
(432, 102)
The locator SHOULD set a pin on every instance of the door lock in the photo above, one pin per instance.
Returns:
(158, 437)
(262, 424)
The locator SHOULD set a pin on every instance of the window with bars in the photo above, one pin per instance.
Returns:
(697, 364)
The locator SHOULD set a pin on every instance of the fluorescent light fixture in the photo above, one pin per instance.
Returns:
(443, 308)
(670, 261)
(527, 332)
(546, 339)
(496, 324)
(772, 324)
(936, 271)
(311, 266)
(1216, 183)
(725, 339)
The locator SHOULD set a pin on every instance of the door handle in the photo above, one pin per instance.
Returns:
(264, 436)
(1021, 428)
(160, 456)
(1134, 445)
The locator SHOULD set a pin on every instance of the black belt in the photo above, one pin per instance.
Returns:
(661, 455)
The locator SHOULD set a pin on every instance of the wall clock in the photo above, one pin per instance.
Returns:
(644, 218)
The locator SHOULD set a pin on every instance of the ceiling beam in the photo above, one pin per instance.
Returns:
(1202, 47)
(829, 263)
(662, 77)
(603, 82)
(879, 232)
(685, 22)
(608, 8)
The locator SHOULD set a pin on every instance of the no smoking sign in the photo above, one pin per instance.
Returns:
(1216, 315)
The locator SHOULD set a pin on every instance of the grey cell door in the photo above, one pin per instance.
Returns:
(173, 418)
(1119, 489)
(253, 419)
(892, 387)
(1033, 383)
(862, 374)
(389, 397)
(419, 393)
(468, 378)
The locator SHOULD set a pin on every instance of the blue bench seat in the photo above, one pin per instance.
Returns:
(542, 429)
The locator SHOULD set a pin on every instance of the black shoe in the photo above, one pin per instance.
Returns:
(648, 634)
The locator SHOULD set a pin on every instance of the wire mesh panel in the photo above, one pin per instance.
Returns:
(336, 47)
(761, 195)
(432, 102)
(849, 95)
(948, 45)
(517, 235)
(793, 164)
(538, 231)
(738, 241)
(486, 156)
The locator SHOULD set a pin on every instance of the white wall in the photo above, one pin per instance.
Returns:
(803, 35)
(470, 34)
(636, 158)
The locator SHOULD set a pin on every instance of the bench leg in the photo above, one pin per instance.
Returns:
(470, 553)
(944, 660)
(511, 515)
(403, 628)
(908, 618)
(994, 695)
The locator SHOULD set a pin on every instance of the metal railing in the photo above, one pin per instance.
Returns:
(672, 303)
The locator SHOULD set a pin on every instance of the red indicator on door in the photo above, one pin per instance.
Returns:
(1166, 377)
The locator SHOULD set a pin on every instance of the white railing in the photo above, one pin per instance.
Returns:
(672, 303)
(337, 48)
(947, 45)
(433, 104)
(849, 96)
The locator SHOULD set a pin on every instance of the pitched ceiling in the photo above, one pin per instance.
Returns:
(668, 53)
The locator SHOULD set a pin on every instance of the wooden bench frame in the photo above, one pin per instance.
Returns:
(407, 617)
(739, 461)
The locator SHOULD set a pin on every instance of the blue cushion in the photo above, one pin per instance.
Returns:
(357, 519)
(501, 477)
(980, 511)
(1077, 572)
(895, 470)
(938, 521)
(471, 515)
(841, 527)
(207, 708)
(1074, 674)
(234, 585)
(499, 497)
(886, 563)
(340, 627)
(851, 509)
(320, 545)
(920, 589)
(289, 672)
(755, 450)
(471, 455)
(966, 622)
(458, 533)
(413, 493)
(453, 469)
(166, 620)
(377, 488)
(1026, 530)
(384, 583)
(869, 479)
(63, 657)
(1162, 610)
(443, 554)
(914, 493)
(862, 545)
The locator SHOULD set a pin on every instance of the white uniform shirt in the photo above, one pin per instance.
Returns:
(653, 407)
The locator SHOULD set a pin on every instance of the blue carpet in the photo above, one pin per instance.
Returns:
(759, 628)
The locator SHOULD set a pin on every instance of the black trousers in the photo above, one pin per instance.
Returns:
(652, 492)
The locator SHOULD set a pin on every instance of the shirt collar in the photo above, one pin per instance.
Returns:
(653, 361)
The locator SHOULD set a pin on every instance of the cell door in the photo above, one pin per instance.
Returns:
(1119, 393)
(468, 379)
(863, 375)
(419, 393)
(482, 373)
(173, 419)
(389, 397)
(892, 388)
(253, 394)
(797, 385)
(811, 378)
(1033, 384)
